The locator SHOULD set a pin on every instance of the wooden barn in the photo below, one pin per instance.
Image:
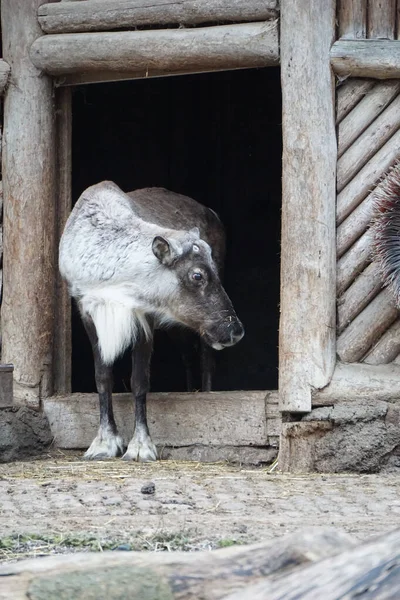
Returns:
(284, 119)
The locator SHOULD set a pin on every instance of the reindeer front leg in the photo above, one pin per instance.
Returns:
(141, 447)
(107, 443)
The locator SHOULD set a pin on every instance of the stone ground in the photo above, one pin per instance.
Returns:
(60, 503)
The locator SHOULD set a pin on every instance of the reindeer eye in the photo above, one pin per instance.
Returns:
(196, 276)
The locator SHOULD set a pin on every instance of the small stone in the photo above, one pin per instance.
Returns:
(148, 488)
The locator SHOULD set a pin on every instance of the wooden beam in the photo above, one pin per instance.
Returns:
(354, 382)
(29, 209)
(130, 54)
(206, 424)
(349, 94)
(382, 19)
(167, 575)
(4, 75)
(387, 348)
(367, 285)
(352, 19)
(379, 59)
(99, 15)
(353, 262)
(308, 260)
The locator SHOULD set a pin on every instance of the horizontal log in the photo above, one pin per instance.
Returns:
(100, 15)
(349, 93)
(130, 54)
(379, 59)
(353, 262)
(357, 381)
(387, 348)
(4, 75)
(367, 328)
(370, 570)
(217, 419)
(366, 111)
(162, 575)
(367, 177)
(358, 296)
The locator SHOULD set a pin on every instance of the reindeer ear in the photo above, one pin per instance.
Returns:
(165, 250)
(195, 231)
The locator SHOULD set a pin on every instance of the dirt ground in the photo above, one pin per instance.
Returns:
(62, 503)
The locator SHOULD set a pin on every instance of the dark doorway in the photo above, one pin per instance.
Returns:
(216, 137)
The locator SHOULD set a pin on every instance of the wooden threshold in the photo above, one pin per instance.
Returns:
(239, 426)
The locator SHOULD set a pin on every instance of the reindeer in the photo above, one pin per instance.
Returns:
(135, 262)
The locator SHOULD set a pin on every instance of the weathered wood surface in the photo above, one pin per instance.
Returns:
(166, 576)
(381, 19)
(349, 94)
(355, 225)
(4, 75)
(176, 420)
(360, 186)
(308, 271)
(370, 571)
(29, 208)
(379, 59)
(62, 329)
(129, 54)
(358, 381)
(358, 296)
(354, 262)
(352, 19)
(369, 107)
(368, 143)
(365, 330)
(387, 348)
(100, 15)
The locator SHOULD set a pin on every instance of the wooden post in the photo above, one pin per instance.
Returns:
(308, 280)
(29, 208)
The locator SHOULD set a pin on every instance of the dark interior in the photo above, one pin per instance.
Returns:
(216, 137)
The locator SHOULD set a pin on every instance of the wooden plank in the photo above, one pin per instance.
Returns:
(382, 19)
(175, 419)
(349, 93)
(369, 570)
(358, 296)
(368, 143)
(29, 209)
(387, 348)
(4, 75)
(163, 51)
(360, 186)
(166, 575)
(308, 270)
(98, 15)
(354, 382)
(367, 328)
(352, 19)
(379, 59)
(62, 330)
(370, 107)
(355, 225)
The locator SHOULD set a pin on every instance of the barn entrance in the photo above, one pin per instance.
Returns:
(215, 137)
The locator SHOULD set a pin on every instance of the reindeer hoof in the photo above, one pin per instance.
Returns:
(141, 449)
(105, 445)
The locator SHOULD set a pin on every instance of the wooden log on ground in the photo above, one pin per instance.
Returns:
(379, 59)
(129, 54)
(382, 19)
(387, 348)
(248, 422)
(370, 570)
(367, 328)
(29, 209)
(354, 262)
(367, 177)
(352, 19)
(308, 271)
(162, 576)
(368, 143)
(355, 225)
(354, 382)
(349, 94)
(99, 15)
(4, 75)
(358, 296)
(62, 329)
(369, 107)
